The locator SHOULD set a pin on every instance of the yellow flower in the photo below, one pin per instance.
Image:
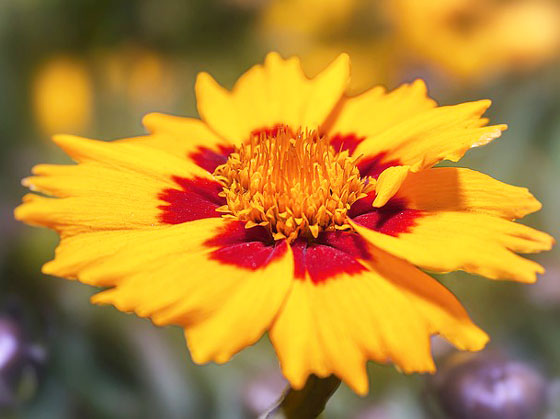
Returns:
(142, 76)
(295, 18)
(62, 96)
(478, 38)
(292, 208)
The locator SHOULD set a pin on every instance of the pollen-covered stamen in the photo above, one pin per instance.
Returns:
(293, 184)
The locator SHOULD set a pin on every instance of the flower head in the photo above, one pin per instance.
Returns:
(295, 209)
(295, 185)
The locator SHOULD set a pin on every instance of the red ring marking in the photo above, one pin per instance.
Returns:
(251, 249)
(393, 218)
(342, 142)
(332, 254)
(209, 159)
(197, 198)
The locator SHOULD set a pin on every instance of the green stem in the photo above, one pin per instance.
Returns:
(307, 403)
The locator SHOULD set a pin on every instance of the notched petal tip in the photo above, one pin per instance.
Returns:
(74, 145)
(484, 104)
(18, 213)
(344, 59)
(273, 56)
(342, 64)
(530, 276)
(297, 378)
(201, 356)
(22, 212)
(535, 205)
(479, 342)
(27, 182)
(150, 121)
(529, 204)
(49, 269)
(204, 81)
(420, 84)
(64, 139)
(468, 337)
(359, 384)
(101, 298)
(198, 356)
(429, 367)
(541, 241)
(490, 136)
(388, 184)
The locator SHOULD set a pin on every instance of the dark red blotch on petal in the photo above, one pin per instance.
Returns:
(209, 159)
(251, 248)
(368, 166)
(254, 248)
(374, 165)
(342, 142)
(331, 254)
(193, 199)
(361, 206)
(393, 218)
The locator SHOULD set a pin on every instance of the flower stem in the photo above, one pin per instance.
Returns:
(306, 403)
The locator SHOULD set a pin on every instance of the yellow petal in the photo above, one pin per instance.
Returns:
(459, 189)
(334, 327)
(443, 133)
(164, 244)
(128, 156)
(274, 93)
(179, 136)
(476, 243)
(93, 179)
(441, 309)
(116, 186)
(245, 314)
(388, 184)
(223, 307)
(76, 253)
(85, 214)
(374, 111)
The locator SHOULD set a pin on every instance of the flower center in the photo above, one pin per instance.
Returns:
(292, 184)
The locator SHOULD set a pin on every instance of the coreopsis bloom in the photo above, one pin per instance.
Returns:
(293, 208)
(472, 39)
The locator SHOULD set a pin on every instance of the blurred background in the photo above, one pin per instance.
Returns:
(95, 67)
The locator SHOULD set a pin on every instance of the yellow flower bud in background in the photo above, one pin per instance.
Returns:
(62, 96)
(143, 78)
